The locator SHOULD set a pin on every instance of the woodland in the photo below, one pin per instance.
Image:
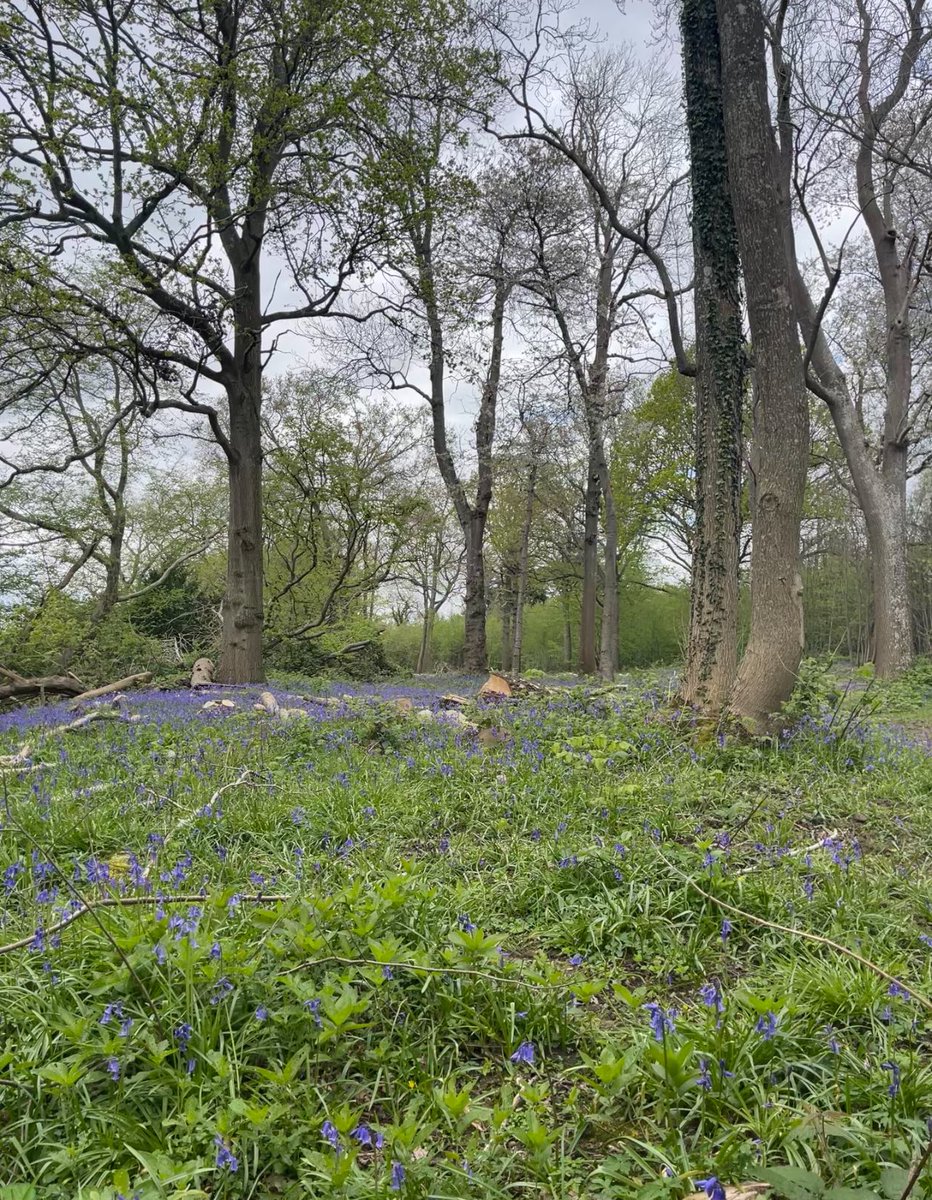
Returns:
(465, 599)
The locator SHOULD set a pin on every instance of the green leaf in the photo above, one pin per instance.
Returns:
(851, 1193)
(893, 1181)
(792, 1183)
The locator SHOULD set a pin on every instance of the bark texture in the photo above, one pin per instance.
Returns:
(712, 650)
(771, 659)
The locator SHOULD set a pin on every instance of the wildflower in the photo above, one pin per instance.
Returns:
(226, 1159)
(110, 1011)
(926, 940)
(897, 990)
(329, 1133)
(262, 1013)
(894, 1078)
(215, 951)
(660, 1022)
(832, 1040)
(524, 1054)
(387, 972)
(160, 953)
(576, 960)
(465, 924)
(182, 1036)
(398, 1177)
(712, 1188)
(222, 988)
(126, 1026)
(704, 1079)
(711, 995)
(113, 1066)
(313, 1007)
(726, 930)
(767, 1026)
(368, 1137)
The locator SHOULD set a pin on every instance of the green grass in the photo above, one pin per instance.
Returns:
(446, 905)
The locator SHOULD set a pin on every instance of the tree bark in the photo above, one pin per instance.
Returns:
(241, 658)
(475, 653)
(771, 660)
(712, 649)
(517, 647)
(608, 653)
(590, 567)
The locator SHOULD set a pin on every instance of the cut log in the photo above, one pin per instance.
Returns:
(496, 687)
(118, 686)
(202, 673)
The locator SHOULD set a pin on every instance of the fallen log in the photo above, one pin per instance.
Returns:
(19, 685)
(118, 686)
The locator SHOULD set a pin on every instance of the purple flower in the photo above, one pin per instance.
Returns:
(926, 940)
(524, 1054)
(767, 1026)
(711, 995)
(465, 924)
(398, 1177)
(712, 1188)
(262, 1013)
(660, 1022)
(313, 1007)
(704, 1079)
(226, 1159)
(329, 1133)
(113, 1066)
(576, 960)
(894, 1078)
(368, 1137)
(897, 990)
(115, 1009)
(726, 930)
(832, 1040)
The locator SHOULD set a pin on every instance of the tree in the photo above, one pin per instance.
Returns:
(855, 111)
(177, 148)
(780, 458)
(712, 647)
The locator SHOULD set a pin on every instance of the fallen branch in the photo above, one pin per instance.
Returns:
(118, 686)
(19, 685)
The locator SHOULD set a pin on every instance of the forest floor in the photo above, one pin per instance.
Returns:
(591, 950)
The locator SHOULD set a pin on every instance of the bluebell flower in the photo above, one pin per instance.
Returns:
(313, 1007)
(576, 960)
(113, 1066)
(710, 994)
(767, 1026)
(712, 1188)
(114, 1009)
(226, 1159)
(465, 924)
(524, 1054)
(926, 940)
(660, 1022)
(262, 1013)
(397, 1177)
(726, 930)
(160, 953)
(704, 1079)
(330, 1134)
(832, 1041)
(897, 990)
(894, 1078)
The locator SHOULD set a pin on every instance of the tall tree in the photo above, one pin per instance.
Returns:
(780, 461)
(712, 647)
(180, 147)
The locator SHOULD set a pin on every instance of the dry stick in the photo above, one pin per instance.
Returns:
(917, 1170)
(193, 816)
(801, 933)
(117, 686)
(127, 902)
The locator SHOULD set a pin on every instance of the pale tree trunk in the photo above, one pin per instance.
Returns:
(590, 568)
(475, 654)
(423, 653)
(712, 649)
(608, 653)
(517, 646)
(768, 670)
(880, 487)
(242, 612)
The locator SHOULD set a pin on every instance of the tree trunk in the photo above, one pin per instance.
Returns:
(771, 660)
(242, 609)
(608, 654)
(590, 567)
(517, 646)
(423, 653)
(712, 649)
(475, 655)
(567, 636)
(507, 630)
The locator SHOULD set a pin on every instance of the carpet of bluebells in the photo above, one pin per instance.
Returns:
(363, 953)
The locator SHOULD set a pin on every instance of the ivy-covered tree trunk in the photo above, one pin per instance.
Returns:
(712, 651)
(771, 659)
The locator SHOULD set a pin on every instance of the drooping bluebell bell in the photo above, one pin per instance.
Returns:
(661, 1022)
(710, 994)
(833, 1046)
(397, 1177)
(330, 1134)
(766, 1026)
(704, 1079)
(712, 1188)
(726, 930)
(524, 1054)
(894, 1070)
(113, 1067)
(226, 1159)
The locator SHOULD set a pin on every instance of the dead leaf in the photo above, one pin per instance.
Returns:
(404, 706)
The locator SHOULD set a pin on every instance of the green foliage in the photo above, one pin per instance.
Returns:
(465, 957)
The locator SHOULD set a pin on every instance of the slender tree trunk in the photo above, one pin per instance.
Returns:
(507, 626)
(771, 660)
(523, 560)
(567, 635)
(712, 648)
(475, 654)
(608, 654)
(590, 567)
